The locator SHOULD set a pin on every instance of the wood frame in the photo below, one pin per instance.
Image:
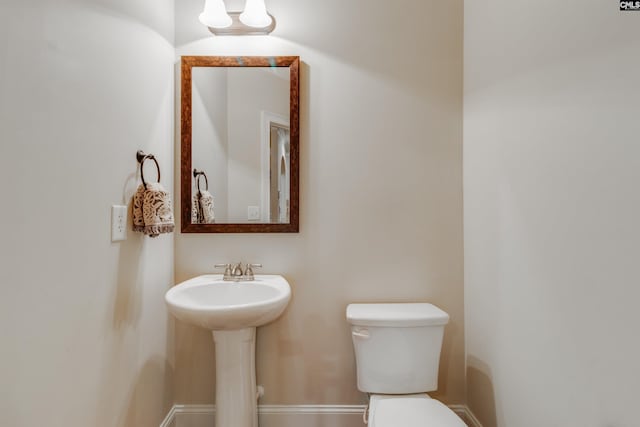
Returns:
(187, 63)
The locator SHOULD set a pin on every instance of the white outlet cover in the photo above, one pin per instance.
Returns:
(118, 223)
(253, 213)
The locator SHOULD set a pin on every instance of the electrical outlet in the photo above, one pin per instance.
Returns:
(253, 213)
(118, 223)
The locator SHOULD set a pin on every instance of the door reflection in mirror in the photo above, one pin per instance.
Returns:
(279, 175)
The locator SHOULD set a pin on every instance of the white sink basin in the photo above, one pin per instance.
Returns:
(212, 303)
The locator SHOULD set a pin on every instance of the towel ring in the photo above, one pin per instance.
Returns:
(141, 156)
(197, 174)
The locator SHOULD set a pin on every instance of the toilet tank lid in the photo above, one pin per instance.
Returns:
(398, 315)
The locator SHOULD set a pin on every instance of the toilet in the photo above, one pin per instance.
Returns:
(397, 349)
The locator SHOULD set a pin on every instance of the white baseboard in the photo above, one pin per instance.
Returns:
(289, 415)
(465, 413)
(470, 417)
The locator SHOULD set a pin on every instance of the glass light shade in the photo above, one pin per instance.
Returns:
(215, 14)
(255, 14)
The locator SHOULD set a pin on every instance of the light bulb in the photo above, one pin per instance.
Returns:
(215, 14)
(255, 14)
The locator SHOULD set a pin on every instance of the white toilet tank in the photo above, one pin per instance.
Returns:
(397, 346)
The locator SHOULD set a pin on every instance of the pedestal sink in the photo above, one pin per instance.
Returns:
(232, 311)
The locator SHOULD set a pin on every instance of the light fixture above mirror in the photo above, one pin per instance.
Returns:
(215, 15)
(253, 20)
(255, 14)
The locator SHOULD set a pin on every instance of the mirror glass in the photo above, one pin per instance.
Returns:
(242, 168)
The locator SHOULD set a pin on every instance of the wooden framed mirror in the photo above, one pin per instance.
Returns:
(240, 144)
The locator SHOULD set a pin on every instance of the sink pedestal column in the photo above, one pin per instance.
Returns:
(236, 399)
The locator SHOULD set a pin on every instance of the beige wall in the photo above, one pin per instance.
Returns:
(374, 226)
(551, 170)
(84, 329)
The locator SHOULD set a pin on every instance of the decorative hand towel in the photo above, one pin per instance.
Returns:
(196, 212)
(202, 203)
(152, 210)
(206, 207)
(138, 218)
(202, 208)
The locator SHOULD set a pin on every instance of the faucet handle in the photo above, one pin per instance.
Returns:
(227, 269)
(249, 270)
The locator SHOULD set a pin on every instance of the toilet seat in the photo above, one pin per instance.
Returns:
(410, 410)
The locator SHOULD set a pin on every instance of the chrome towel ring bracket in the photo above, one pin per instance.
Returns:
(141, 156)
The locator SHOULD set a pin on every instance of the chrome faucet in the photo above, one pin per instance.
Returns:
(237, 270)
(234, 273)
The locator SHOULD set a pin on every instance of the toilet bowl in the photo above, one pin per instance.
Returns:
(397, 349)
(410, 410)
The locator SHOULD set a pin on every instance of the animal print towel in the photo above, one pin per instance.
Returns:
(206, 206)
(202, 208)
(152, 210)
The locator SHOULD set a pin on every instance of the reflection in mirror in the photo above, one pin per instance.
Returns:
(243, 171)
(278, 195)
(231, 108)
